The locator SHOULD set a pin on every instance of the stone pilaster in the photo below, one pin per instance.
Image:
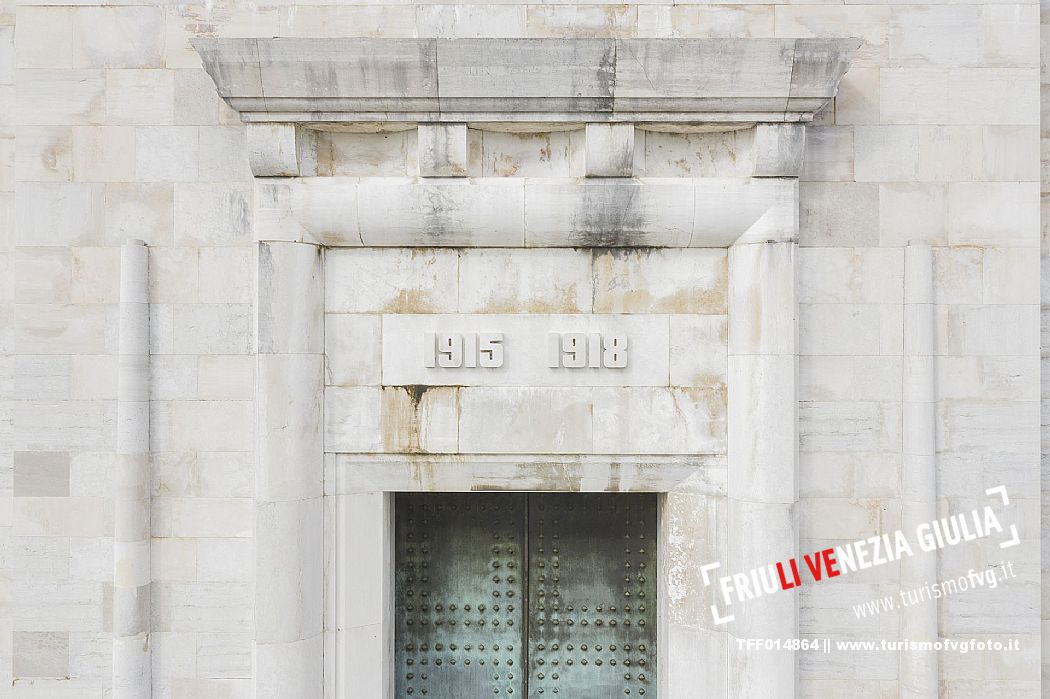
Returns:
(131, 496)
(289, 463)
(919, 674)
(763, 458)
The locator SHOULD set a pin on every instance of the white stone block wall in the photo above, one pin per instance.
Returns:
(132, 143)
(109, 129)
(7, 362)
(1044, 134)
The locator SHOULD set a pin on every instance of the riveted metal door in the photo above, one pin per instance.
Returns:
(459, 595)
(592, 594)
(535, 595)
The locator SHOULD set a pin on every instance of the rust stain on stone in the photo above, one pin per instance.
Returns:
(711, 381)
(415, 393)
(563, 302)
(417, 299)
(409, 301)
(50, 158)
(621, 287)
(423, 473)
(754, 310)
(399, 418)
(505, 166)
(406, 412)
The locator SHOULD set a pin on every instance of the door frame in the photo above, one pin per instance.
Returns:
(359, 538)
(301, 630)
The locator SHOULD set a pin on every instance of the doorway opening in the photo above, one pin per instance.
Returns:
(525, 594)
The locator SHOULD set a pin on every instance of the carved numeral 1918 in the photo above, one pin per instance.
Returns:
(580, 350)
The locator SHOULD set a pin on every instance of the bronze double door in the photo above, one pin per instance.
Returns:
(525, 594)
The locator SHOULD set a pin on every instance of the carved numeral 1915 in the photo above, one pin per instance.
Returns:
(454, 350)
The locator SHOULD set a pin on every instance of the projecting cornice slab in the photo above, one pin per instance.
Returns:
(644, 81)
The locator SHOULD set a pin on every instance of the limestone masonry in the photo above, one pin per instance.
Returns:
(329, 333)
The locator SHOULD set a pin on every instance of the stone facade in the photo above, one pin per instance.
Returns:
(113, 130)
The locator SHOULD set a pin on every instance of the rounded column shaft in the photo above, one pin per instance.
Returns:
(131, 483)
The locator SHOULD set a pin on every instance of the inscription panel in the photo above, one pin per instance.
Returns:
(614, 350)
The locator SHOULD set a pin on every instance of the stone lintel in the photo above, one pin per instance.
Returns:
(511, 212)
(356, 473)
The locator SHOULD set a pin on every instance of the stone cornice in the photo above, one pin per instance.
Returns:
(642, 81)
